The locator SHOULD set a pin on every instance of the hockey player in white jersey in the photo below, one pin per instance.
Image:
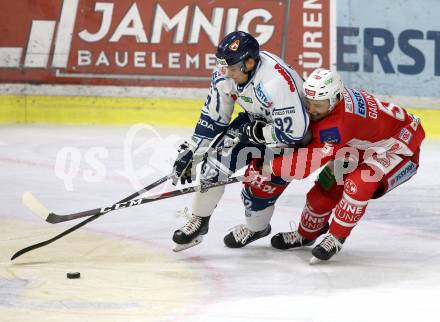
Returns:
(269, 91)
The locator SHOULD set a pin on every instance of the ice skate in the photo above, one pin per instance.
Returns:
(241, 235)
(191, 233)
(293, 239)
(325, 250)
(179, 247)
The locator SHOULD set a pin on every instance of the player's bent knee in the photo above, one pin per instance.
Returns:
(358, 188)
(321, 201)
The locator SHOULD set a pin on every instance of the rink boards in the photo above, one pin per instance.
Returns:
(129, 110)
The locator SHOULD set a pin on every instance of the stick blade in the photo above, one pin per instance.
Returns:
(32, 203)
(17, 254)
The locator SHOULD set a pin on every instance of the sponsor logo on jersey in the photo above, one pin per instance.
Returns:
(310, 92)
(360, 107)
(407, 171)
(394, 148)
(246, 99)
(405, 135)
(350, 187)
(415, 121)
(205, 124)
(262, 96)
(371, 104)
(348, 102)
(234, 46)
(385, 162)
(286, 76)
(330, 135)
(284, 111)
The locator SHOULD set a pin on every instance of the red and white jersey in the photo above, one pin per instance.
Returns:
(358, 121)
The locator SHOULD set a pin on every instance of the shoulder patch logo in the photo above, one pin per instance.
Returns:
(234, 46)
(360, 106)
(405, 135)
(330, 135)
(348, 102)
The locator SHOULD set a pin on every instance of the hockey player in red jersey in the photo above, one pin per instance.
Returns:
(369, 147)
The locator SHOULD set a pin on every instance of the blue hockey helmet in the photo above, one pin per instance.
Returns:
(236, 47)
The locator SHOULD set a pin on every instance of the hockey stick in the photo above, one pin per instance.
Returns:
(34, 205)
(37, 208)
(127, 204)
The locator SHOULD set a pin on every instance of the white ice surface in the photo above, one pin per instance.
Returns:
(389, 269)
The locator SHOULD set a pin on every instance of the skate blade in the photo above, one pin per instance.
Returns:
(194, 242)
(314, 260)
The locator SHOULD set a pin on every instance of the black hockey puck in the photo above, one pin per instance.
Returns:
(72, 275)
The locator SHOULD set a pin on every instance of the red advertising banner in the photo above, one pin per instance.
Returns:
(151, 43)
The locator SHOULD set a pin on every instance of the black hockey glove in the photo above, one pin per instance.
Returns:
(183, 164)
(253, 132)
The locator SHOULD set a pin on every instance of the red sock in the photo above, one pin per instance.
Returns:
(318, 209)
(353, 203)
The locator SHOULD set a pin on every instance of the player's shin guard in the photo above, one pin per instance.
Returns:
(353, 203)
(204, 203)
(317, 210)
(347, 214)
(312, 222)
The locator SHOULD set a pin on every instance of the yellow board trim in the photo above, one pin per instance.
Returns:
(126, 110)
(111, 110)
(430, 120)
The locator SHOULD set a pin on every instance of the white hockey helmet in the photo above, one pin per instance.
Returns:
(323, 84)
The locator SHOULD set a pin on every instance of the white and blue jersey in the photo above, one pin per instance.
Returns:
(273, 94)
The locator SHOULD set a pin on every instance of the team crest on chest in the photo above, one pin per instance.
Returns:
(330, 135)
